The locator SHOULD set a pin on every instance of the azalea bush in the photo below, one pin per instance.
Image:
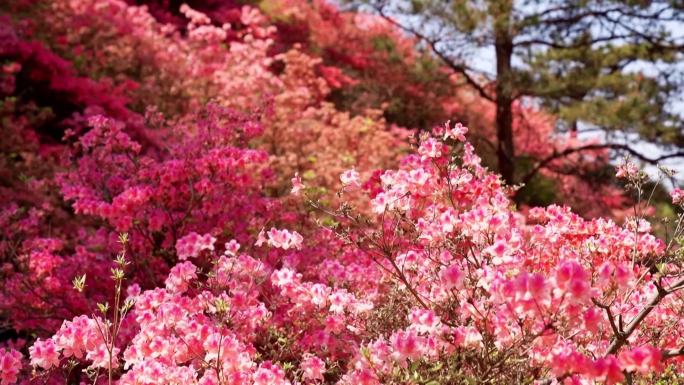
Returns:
(194, 202)
(86, 161)
(444, 282)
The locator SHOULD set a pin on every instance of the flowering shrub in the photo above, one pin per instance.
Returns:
(230, 66)
(84, 171)
(445, 282)
(298, 142)
(359, 62)
(273, 238)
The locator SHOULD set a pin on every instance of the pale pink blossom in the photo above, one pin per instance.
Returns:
(284, 239)
(424, 321)
(406, 345)
(44, 354)
(643, 359)
(101, 357)
(313, 368)
(191, 245)
(430, 148)
(350, 178)
(231, 247)
(627, 170)
(677, 196)
(261, 238)
(297, 185)
(457, 132)
(180, 277)
(451, 277)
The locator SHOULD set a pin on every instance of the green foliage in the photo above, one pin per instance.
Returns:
(539, 191)
(611, 65)
(590, 85)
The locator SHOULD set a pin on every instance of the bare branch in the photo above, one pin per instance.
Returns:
(611, 319)
(580, 44)
(593, 147)
(433, 44)
(672, 353)
(621, 340)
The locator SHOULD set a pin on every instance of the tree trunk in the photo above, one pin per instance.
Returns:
(503, 45)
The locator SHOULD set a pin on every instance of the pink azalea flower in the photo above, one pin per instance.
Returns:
(231, 247)
(457, 132)
(44, 354)
(643, 359)
(627, 170)
(297, 185)
(10, 366)
(313, 368)
(677, 196)
(350, 178)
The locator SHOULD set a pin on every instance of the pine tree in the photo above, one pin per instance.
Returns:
(606, 65)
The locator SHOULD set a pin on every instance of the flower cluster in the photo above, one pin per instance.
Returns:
(445, 274)
(283, 239)
(192, 244)
(10, 366)
(569, 297)
(383, 265)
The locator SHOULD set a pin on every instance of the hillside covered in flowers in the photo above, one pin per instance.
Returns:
(282, 192)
